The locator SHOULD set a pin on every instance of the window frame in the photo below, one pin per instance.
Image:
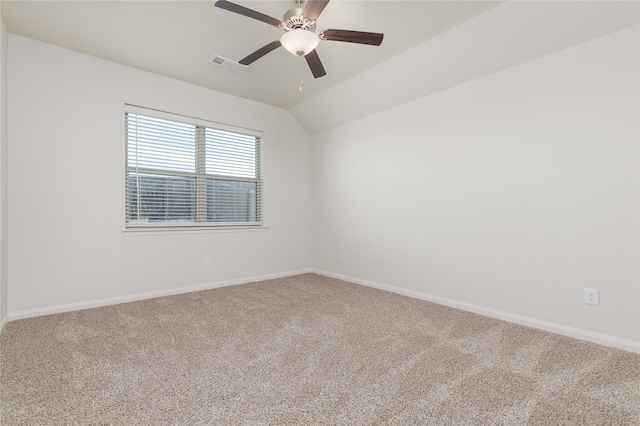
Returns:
(200, 177)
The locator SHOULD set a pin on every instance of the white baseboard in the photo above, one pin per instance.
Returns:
(4, 322)
(143, 296)
(602, 339)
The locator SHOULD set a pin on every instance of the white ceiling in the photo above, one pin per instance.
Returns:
(510, 34)
(425, 48)
(177, 38)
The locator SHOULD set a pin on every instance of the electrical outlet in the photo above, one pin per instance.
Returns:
(591, 296)
(340, 256)
(207, 262)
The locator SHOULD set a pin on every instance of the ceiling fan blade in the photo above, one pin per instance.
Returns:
(232, 7)
(374, 39)
(315, 64)
(260, 53)
(313, 9)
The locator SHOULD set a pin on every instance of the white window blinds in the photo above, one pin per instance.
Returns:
(188, 172)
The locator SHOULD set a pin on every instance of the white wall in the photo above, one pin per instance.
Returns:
(67, 191)
(513, 192)
(3, 176)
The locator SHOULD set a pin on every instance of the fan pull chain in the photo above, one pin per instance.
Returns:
(301, 84)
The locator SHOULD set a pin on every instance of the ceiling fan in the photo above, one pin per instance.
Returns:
(299, 38)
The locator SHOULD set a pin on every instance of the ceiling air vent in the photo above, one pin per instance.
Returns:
(228, 63)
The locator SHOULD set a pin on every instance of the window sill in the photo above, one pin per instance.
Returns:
(178, 230)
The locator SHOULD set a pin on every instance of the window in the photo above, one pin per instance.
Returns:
(188, 172)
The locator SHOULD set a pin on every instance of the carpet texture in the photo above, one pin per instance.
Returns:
(305, 350)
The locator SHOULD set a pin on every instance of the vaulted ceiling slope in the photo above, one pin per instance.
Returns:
(510, 34)
(428, 45)
(178, 38)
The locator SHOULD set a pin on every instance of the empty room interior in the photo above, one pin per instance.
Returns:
(320, 212)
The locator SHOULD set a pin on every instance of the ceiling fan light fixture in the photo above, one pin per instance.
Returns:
(300, 42)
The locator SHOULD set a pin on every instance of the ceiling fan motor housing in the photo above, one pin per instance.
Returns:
(294, 20)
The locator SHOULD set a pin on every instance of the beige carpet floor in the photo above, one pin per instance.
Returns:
(305, 350)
